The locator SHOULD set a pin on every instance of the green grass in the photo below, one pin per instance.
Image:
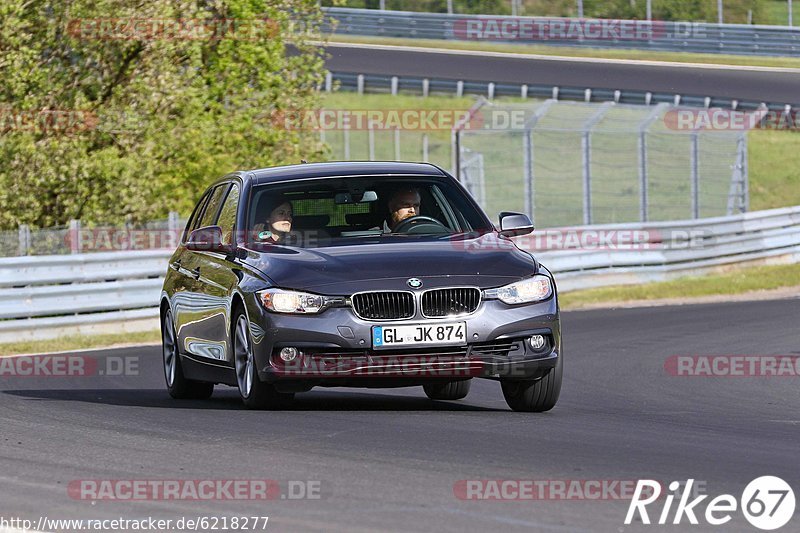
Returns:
(601, 53)
(738, 281)
(79, 342)
(774, 160)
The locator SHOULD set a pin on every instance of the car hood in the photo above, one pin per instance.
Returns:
(388, 262)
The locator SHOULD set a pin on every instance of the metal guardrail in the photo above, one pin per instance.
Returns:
(374, 83)
(48, 296)
(696, 37)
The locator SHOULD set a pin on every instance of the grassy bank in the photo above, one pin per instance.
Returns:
(80, 342)
(738, 281)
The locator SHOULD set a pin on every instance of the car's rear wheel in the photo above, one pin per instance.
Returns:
(255, 393)
(534, 395)
(178, 386)
(451, 390)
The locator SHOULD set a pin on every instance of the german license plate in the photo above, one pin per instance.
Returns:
(438, 334)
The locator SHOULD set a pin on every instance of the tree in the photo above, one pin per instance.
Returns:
(110, 111)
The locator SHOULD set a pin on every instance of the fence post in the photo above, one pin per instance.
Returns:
(425, 147)
(397, 144)
(24, 239)
(586, 163)
(346, 135)
(328, 82)
(586, 149)
(642, 145)
(371, 140)
(527, 143)
(694, 153)
(173, 228)
(75, 236)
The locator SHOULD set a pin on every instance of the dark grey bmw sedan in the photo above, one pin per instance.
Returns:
(356, 274)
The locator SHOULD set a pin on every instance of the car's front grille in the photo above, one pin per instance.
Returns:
(383, 305)
(450, 302)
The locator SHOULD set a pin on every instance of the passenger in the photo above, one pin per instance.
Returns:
(279, 222)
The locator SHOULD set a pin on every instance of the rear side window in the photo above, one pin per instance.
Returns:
(212, 208)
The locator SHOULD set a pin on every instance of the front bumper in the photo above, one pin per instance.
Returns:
(335, 348)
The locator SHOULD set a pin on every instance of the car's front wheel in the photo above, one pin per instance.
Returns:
(534, 395)
(451, 390)
(255, 393)
(178, 386)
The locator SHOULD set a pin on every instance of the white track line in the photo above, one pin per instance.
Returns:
(514, 55)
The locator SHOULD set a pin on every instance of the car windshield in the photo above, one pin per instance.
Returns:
(331, 211)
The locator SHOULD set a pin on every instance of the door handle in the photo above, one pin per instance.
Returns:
(195, 273)
(176, 265)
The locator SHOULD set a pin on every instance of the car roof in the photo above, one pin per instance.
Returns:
(344, 168)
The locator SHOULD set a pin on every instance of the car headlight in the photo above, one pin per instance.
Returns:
(283, 301)
(529, 290)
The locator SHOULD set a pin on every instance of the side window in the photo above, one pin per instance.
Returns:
(194, 220)
(210, 213)
(227, 217)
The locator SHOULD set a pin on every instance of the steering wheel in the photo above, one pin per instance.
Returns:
(420, 224)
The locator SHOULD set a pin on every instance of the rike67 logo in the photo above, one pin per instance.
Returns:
(767, 502)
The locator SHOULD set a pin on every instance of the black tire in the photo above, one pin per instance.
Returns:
(451, 390)
(536, 395)
(178, 386)
(255, 394)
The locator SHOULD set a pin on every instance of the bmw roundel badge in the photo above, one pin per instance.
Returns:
(414, 283)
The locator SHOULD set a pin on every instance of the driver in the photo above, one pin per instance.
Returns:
(403, 204)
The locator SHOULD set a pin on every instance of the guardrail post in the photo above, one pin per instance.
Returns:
(397, 144)
(460, 88)
(695, 178)
(24, 239)
(360, 83)
(394, 85)
(328, 82)
(426, 84)
(523, 91)
(346, 135)
(490, 91)
(425, 147)
(75, 236)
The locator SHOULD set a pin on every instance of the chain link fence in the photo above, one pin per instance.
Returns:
(571, 163)
(77, 237)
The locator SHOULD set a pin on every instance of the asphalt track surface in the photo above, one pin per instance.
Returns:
(389, 459)
(742, 83)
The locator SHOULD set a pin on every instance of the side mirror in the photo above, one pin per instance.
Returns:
(514, 224)
(208, 239)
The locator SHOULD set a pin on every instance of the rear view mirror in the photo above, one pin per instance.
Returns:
(514, 224)
(208, 239)
(355, 197)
